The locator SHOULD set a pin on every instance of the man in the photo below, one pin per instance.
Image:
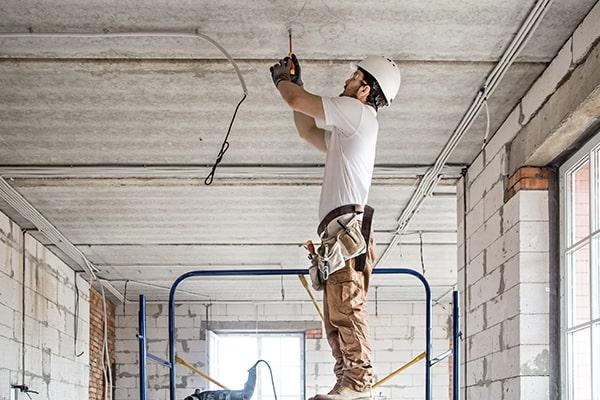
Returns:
(349, 143)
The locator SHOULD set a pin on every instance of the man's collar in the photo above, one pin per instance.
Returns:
(370, 107)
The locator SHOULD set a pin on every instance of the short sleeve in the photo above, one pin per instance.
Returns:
(344, 113)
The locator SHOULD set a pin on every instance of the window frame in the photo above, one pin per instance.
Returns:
(590, 151)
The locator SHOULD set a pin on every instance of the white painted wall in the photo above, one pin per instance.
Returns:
(397, 335)
(50, 364)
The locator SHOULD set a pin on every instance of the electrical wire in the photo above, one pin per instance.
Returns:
(487, 124)
(195, 34)
(76, 319)
(27, 211)
(282, 288)
(224, 146)
(23, 233)
(155, 286)
(433, 175)
(125, 295)
(106, 367)
(421, 253)
(271, 373)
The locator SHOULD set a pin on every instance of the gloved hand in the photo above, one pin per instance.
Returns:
(296, 78)
(281, 71)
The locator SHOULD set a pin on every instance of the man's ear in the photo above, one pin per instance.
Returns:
(363, 92)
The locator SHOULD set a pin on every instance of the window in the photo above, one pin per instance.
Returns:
(580, 273)
(232, 354)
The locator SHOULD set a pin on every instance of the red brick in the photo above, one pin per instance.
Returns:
(526, 178)
(96, 385)
(313, 334)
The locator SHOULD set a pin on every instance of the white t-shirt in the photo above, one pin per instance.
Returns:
(351, 139)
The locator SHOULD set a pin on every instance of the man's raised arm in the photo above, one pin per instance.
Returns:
(307, 106)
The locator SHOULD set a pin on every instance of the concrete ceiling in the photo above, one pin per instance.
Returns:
(124, 130)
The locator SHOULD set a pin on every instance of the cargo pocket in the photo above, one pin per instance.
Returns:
(346, 289)
(351, 298)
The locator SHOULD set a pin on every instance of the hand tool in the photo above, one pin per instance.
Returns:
(292, 68)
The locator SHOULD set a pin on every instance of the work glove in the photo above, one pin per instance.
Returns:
(281, 71)
(296, 78)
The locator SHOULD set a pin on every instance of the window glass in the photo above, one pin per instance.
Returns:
(596, 358)
(580, 285)
(236, 353)
(580, 202)
(581, 376)
(580, 267)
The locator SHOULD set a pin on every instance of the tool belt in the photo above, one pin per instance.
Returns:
(342, 237)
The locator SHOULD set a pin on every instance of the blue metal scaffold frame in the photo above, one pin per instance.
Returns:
(171, 362)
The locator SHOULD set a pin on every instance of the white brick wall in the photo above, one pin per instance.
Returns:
(505, 287)
(505, 291)
(50, 364)
(397, 335)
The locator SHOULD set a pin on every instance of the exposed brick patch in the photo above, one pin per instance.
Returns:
(526, 178)
(313, 333)
(96, 386)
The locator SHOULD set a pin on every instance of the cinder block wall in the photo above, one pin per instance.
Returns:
(503, 236)
(397, 334)
(51, 366)
(97, 381)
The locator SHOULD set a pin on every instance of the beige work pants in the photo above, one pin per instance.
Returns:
(346, 322)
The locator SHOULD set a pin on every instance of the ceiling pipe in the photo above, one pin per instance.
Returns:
(433, 175)
(29, 212)
(143, 34)
(186, 171)
(24, 208)
(146, 284)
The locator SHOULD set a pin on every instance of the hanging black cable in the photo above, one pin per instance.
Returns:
(125, 295)
(421, 252)
(271, 373)
(224, 146)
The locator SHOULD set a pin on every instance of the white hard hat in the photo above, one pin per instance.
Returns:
(386, 73)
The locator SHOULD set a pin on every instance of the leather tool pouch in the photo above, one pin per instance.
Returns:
(344, 241)
(342, 237)
(350, 238)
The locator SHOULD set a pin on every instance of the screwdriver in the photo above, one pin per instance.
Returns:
(292, 68)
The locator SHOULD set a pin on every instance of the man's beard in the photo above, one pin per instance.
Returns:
(348, 94)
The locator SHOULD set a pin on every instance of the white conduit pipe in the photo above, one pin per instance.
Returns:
(155, 286)
(27, 211)
(195, 35)
(432, 176)
(22, 206)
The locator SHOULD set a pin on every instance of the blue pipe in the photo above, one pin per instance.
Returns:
(455, 344)
(274, 272)
(143, 347)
